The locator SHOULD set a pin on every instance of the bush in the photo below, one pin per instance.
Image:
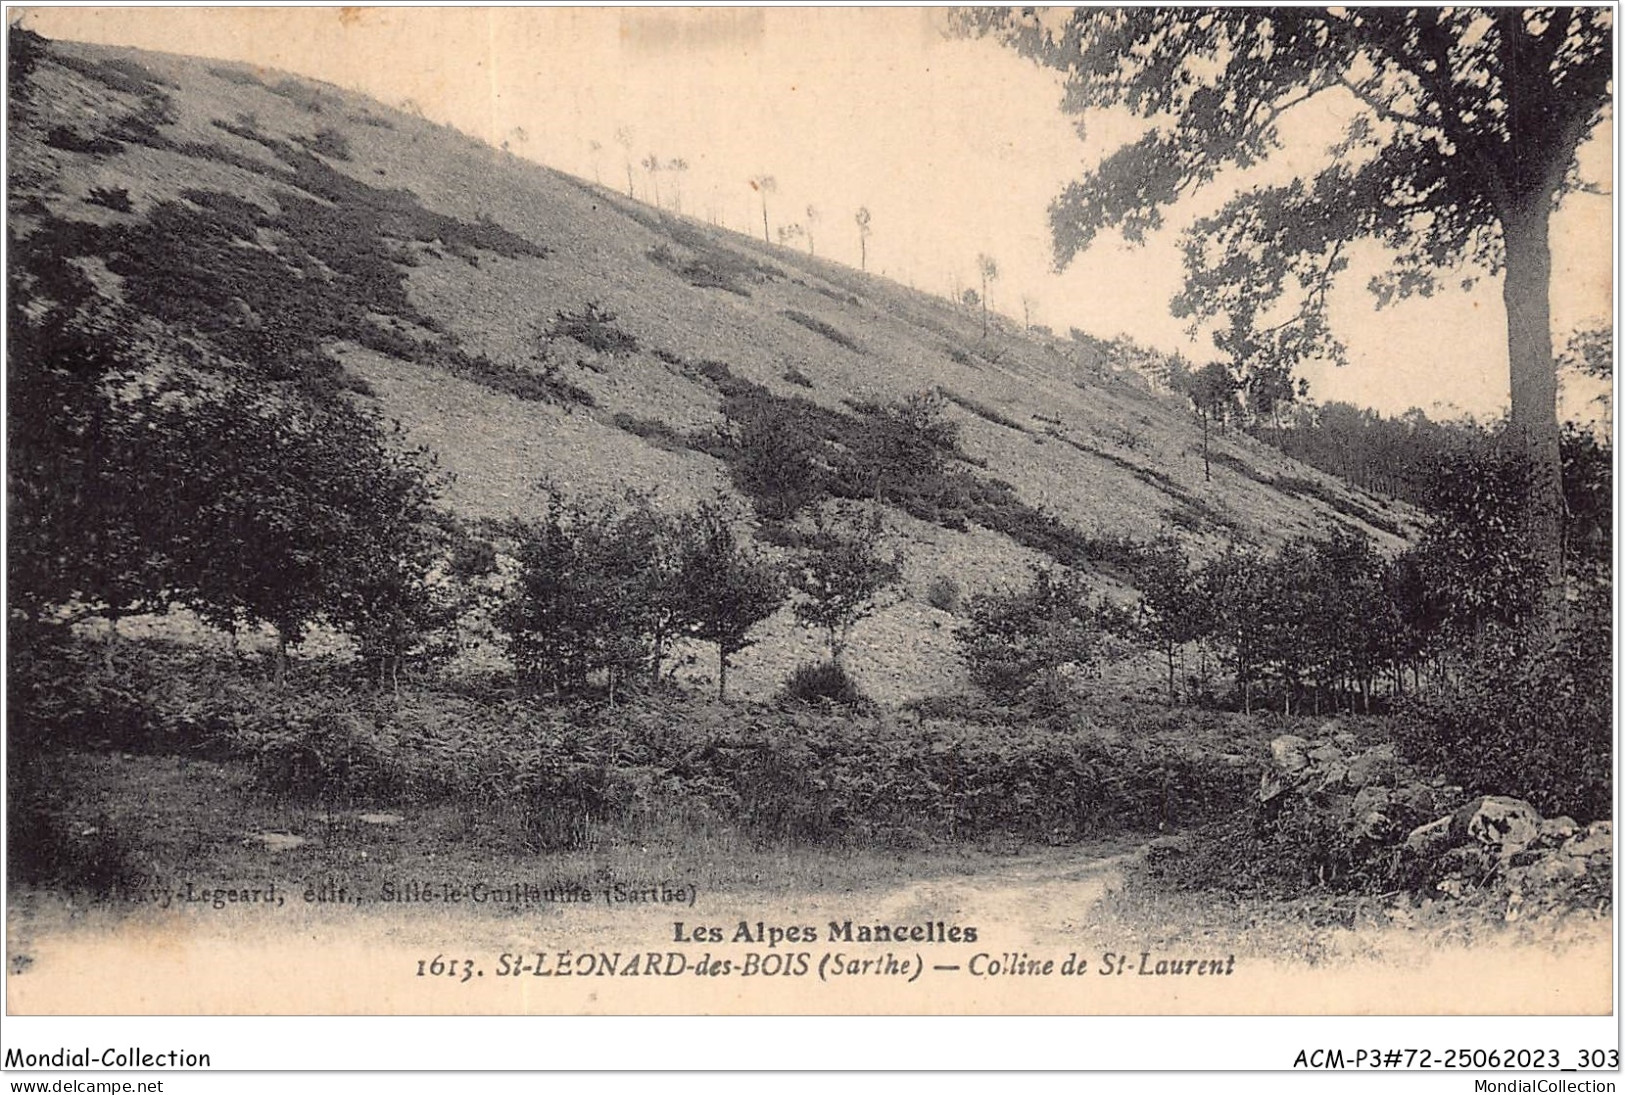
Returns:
(588, 598)
(595, 328)
(141, 125)
(840, 576)
(52, 841)
(943, 594)
(546, 386)
(1526, 717)
(813, 323)
(240, 77)
(1301, 848)
(70, 140)
(659, 434)
(707, 273)
(775, 457)
(982, 410)
(117, 200)
(823, 682)
(331, 143)
(1019, 644)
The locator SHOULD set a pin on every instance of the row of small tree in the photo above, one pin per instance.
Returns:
(147, 474)
(604, 589)
(1320, 620)
(143, 475)
(655, 165)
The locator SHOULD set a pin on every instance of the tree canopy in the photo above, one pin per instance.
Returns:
(1462, 135)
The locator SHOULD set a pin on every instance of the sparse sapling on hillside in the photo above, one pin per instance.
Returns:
(841, 575)
(725, 589)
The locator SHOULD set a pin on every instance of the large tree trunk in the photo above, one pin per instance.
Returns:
(1526, 292)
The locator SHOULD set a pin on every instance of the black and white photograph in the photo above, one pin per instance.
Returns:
(768, 511)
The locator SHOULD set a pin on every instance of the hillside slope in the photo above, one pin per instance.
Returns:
(470, 293)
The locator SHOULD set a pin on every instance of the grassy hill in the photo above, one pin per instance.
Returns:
(525, 326)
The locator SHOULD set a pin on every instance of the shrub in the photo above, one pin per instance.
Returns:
(579, 607)
(1527, 716)
(943, 594)
(823, 682)
(723, 588)
(595, 328)
(840, 575)
(775, 458)
(1302, 848)
(795, 376)
(51, 841)
(71, 140)
(1019, 644)
(812, 323)
(141, 125)
(545, 386)
(117, 200)
(982, 410)
(709, 273)
(129, 77)
(824, 768)
(331, 143)
(327, 752)
(303, 96)
(659, 434)
(238, 76)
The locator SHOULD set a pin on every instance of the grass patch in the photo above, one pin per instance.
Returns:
(595, 328)
(532, 387)
(657, 433)
(71, 140)
(818, 326)
(982, 410)
(1294, 485)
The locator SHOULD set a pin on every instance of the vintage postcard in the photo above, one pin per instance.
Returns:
(767, 511)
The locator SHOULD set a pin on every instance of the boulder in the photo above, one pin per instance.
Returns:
(1334, 776)
(1498, 822)
(1379, 764)
(1429, 840)
(1595, 840)
(1373, 825)
(1371, 799)
(1326, 754)
(1421, 800)
(1290, 753)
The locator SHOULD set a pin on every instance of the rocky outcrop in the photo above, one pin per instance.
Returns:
(1436, 836)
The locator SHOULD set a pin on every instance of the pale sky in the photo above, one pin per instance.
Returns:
(956, 148)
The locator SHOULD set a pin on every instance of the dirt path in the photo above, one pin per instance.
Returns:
(1006, 940)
